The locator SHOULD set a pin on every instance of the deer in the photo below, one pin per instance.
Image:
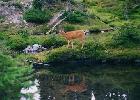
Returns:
(72, 35)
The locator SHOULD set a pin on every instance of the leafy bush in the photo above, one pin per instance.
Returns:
(75, 17)
(61, 55)
(2, 35)
(17, 43)
(127, 35)
(11, 77)
(53, 41)
(91, 50)
(36, 39)
(41, 29)
(90, 2)
(69, 28)
(23, 33)
(37, 16)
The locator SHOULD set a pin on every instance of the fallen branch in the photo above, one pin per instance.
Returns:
(56, 25)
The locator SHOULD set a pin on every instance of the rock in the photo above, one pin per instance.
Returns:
(34, 48)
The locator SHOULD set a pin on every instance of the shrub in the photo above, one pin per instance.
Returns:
(23, 33)
(61, 55)
(75, 17)
(36, 39)
(17, 43)
(2, 35)
(11, 77)
(92, 50)
(69, 28)
(41, 29)
(127, 35)
(53, 41)
(37, 16)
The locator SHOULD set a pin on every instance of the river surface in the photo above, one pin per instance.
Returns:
(73, 82)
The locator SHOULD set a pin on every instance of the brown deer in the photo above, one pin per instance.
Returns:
(71, 35)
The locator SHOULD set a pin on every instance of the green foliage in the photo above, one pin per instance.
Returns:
(37, 4)
(69, 28)
(91, 50)
(37, 16)
(20, 42)
(135, 93)
(131, 6)
(11, 78)
(53, 41)
(75, 17)
(17, 43)
(2, 35)
(94, 30)
(126, 36)
(23, 33)
(41, 29)
(35, 40)
(94, 49)
(121, 53)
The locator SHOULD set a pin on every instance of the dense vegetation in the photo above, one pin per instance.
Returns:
(13, 74)
(94, 15)
(11, 77)
(123, 43)
(37, 16)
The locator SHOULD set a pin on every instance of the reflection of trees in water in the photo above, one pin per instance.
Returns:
(135, 93)
(72, 87)
(106, 89)
(62, 87)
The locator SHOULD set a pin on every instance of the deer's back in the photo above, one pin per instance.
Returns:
(75, 34)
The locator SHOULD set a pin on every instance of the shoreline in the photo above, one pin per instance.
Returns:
(87, 62)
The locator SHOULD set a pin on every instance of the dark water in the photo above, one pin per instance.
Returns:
(103, 82)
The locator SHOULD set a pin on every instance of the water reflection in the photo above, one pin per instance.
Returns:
(31, 92)
(92, 96)
(48, 87)
(107, 84)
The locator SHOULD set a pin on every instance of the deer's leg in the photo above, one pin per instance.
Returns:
(68, 43)
(82, 42)
(82, 45)
(72, 44)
